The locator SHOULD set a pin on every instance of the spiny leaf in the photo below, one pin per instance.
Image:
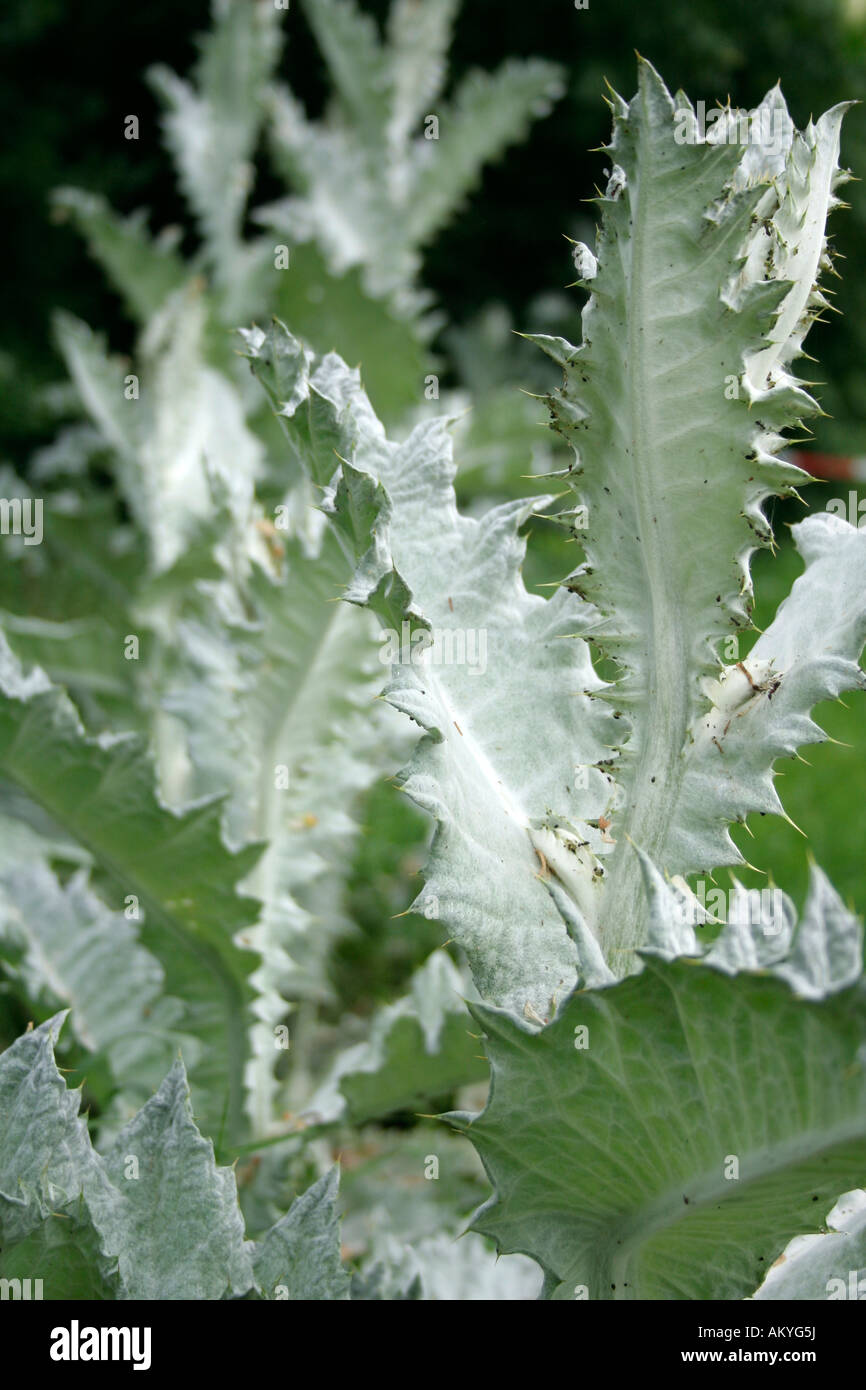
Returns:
(664, 1137)
(45, 1156)
(176, 1230)
(100, 790)
(155, 1218)
(82, 955)
(499, 694)
(676, 429)
(299, 1258)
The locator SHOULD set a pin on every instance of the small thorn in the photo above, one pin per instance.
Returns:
(786, 817)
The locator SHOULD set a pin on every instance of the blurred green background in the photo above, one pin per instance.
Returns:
(74, 71)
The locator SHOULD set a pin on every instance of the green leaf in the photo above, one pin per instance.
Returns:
(405, 1222)
(181, 441)
(817, 956)
(100, 791)
(64, 1254)
(167, 1219)
(66, 602)
(664, 1137)
(84, 655)
(273, 681)
(99, 380)
(46, 1161)
(91, 959)
(761, 707)
(250, 671)
(211, 129)
(143, 270)
(333, 313)
(177, 1230)
(417, 48)
(368, 185)
(675, 403)
(500, 694)
(829, 1266)
(490, 111)
(155, 1218)
(350, 44)
(417, 1049)
(299, 1258)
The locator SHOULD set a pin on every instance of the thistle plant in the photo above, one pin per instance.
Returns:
(198, 594)
(571, 810)
(676, 1093)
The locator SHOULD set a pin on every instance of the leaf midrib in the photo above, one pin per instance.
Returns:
(711, 1188)
(661, 728)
